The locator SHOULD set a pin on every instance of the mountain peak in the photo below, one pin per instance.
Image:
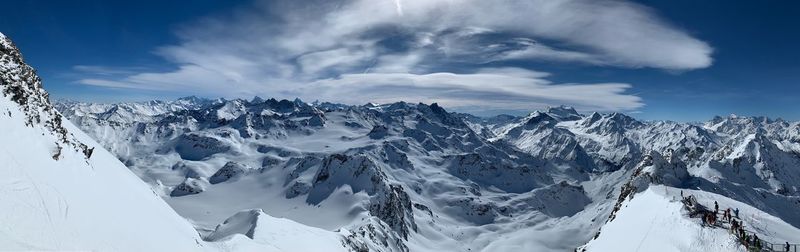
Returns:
(257, 99)
(563, 113)
(537, 117)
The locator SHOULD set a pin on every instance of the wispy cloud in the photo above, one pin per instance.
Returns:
(107, 71)
(422, 50)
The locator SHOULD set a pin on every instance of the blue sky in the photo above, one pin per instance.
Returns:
(679, 60)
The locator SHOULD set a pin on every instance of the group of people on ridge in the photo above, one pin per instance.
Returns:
(750, 241)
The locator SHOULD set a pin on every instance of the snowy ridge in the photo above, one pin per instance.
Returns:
(655, 220)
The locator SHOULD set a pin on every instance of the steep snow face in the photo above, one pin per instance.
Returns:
(61, 190)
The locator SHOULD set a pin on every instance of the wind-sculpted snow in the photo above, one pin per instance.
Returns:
(404, 176)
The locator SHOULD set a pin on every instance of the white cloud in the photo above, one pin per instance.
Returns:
(369, 50)
(488, 88)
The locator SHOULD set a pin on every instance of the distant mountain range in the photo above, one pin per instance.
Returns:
(421, 177)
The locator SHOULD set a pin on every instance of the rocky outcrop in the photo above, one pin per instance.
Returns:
(20, 82)
(393, 206)
(228, 171)
(188, 187)
(197, 147)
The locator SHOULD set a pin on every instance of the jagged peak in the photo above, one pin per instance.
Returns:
(747, 119)
(564, 113)
(537, 118)
(257, 99)
(594, 117)
(436, 108)
(190, 98)
(4, 41)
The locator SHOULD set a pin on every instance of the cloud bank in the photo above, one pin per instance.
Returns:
(455, 52)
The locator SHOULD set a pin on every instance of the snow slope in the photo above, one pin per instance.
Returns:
(654, 220)
(60, 190)
(55, 197)
(78, 204)
(278, 233)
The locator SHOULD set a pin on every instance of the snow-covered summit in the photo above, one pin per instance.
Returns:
(564, 113)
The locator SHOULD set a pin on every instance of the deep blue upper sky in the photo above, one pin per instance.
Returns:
(121, 50)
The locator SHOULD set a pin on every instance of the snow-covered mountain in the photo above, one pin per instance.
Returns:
(61, 191)
(416, 177)
(281, 175)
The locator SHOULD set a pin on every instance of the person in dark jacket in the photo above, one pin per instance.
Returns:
(756, 242)
(705, 219)
(786, 247)
(716, 207)
(747, 241)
